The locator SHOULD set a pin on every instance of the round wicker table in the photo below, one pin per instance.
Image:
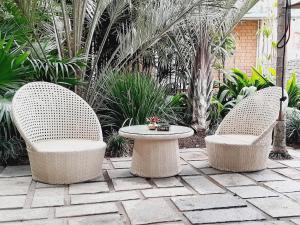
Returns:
(155, 153)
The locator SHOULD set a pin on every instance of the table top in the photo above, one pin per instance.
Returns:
(142, 132)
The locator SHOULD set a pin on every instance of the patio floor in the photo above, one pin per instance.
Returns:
(200, 195)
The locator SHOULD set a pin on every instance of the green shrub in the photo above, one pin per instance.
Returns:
(293, 125)
(131, 98)
(117, 146)
(293, 91)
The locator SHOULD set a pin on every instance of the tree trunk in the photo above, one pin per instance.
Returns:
(201, 85)
(279, 150)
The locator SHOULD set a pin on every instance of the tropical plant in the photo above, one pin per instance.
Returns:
(14, 73)
(293, 91)
(198, 40)
(131, 98)
(117, 146)
(293, 125)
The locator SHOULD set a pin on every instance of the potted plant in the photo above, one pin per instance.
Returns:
(152, 122)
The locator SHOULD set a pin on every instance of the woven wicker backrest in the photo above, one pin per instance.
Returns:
(43, 111)
(253, 114)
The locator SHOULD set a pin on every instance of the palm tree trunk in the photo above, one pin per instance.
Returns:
(279, 150)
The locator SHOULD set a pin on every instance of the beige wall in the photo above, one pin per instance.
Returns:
(246, 46)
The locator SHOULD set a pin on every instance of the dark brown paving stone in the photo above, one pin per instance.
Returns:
(277, 207)
(224, 215)
(214, 201)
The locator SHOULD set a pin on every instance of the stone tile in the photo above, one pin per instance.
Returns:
(14, 186)
(284, 186)
(214, 201)
(88, 188)
(296, 221)
(199, 164)
(192, 150)
(166, 192)
(16, 171)
(106, 166)
(202, 185)
(104, 197)
(109, 219)
(277, 207)
(224, 215)
(39, 222)
(46, 197)
(212, 171)
(252, 192)
(122, 164)
(261, 223)
(123, 184)
(167, 182)
(150, 211)
(290, 163)
(294, 153)
(193, 156)
(265, 175)
(118, 159)
(119, 173)
(12, 202)
(187, 170)
(289, 172)
(294, 195)
(84, 210)
(23, 214)
(232, 179)
(43, 185)
(98, 179)
(271, 164)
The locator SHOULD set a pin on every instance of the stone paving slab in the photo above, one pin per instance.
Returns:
(83, 210)
(150, 211)
(265, 175)
(290, 163)
(14, 186)
(23, 214)
(232, 179)
(88, 188)
(277, 207)
(166, 192)
(104, 197)
(284, 186)
(124, 184)
(291, 173)
(252, 192)
(202, 185)
(16, 171)
(109, 219)
(167, 182)
(39, 222)
(119, 173)
(215, 201)
(199, 193)
(223, 215)
(48, 197)
(12, 202)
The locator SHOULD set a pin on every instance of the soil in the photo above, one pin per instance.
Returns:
(195, 141)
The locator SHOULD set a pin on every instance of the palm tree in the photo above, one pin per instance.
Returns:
(198, 39)
(279, 150)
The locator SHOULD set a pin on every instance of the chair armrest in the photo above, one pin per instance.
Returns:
(264, 133)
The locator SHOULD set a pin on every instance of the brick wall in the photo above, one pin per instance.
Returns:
(246, 46)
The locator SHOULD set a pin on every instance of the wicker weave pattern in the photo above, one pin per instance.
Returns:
(45, 111)
(256, 115)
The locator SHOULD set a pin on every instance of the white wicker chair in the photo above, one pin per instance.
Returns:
(62, 133)
(243, 139)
